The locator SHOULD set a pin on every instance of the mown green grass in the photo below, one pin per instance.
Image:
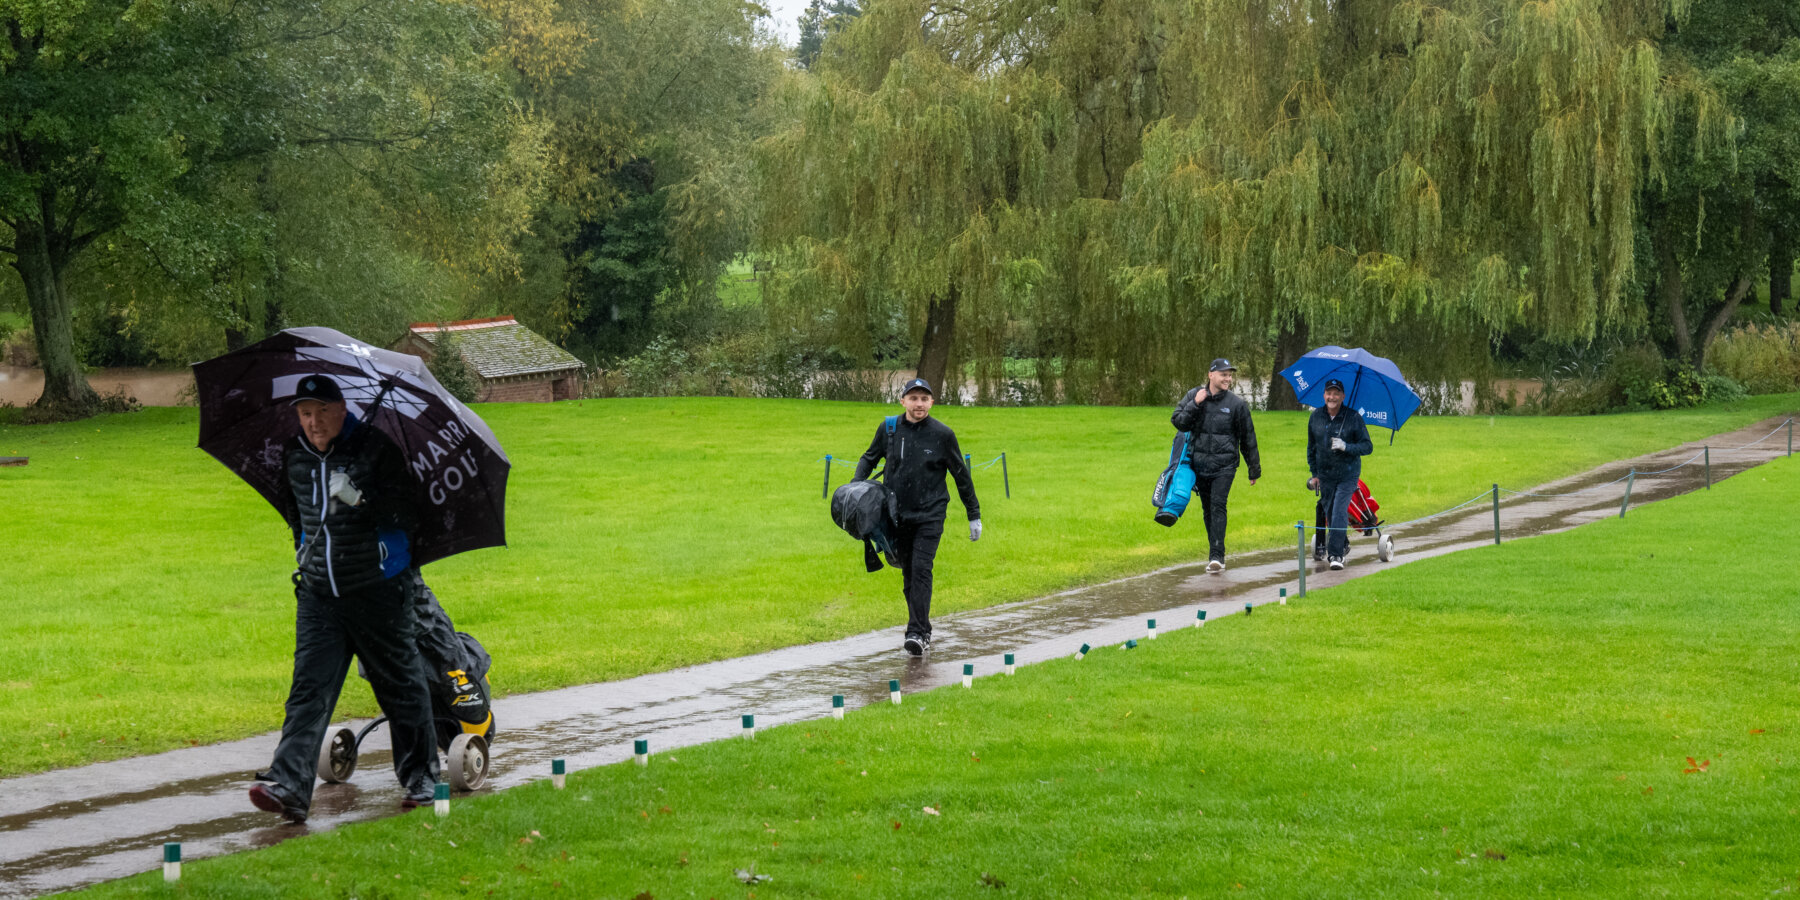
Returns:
(147, 602)
(1605, 712)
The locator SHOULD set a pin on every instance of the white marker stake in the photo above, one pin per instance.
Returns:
(749, 727)
(441, 799)
(1082, 652)
(1284, 596)
(968, 675)
(894, 691)
(837, 706)
(1153, 629)
(171, 862)
(559, 774)
(1009, 663)
(1200, 620)
(640, 748)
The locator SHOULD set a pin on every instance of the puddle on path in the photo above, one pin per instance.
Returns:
(63, 829)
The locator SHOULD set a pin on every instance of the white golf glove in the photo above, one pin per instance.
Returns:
(974, 529)
(1339, 445)
(341, 488)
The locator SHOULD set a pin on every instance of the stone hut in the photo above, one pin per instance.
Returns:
(513, 363)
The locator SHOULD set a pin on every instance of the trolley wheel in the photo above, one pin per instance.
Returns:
(1384, 548)
(337, 755)
(468, 763)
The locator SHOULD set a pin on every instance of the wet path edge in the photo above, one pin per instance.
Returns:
(67, 828)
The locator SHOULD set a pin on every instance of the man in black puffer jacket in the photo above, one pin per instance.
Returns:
(1219, 421)
(352, 506)
(919, 451)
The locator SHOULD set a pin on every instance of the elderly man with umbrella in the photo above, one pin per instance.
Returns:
(1337, 435)
(368, 498)
(1336, 442)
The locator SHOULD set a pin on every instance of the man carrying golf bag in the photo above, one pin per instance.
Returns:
(919, 450)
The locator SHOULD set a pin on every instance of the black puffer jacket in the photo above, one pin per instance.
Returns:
(340, 549)
(919, 456)
(1335, 465)
(1222, 430)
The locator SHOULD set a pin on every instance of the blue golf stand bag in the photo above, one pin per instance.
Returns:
(1176, 486)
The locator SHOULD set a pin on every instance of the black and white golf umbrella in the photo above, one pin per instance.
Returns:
(459, 469)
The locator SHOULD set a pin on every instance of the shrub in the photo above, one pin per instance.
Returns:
(1722, 389)
(451, 370)
(1764, 358)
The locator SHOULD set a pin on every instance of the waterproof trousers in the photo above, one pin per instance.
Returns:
(1332, 517)
(915, 549)
(1213, 490)
(376, 626)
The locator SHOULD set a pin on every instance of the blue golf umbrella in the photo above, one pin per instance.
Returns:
(1373, 386)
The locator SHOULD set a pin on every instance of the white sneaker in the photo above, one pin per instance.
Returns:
(1214, 567)
(1337, 562)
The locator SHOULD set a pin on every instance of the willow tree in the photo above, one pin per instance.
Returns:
(919, 180)
(1412, 177)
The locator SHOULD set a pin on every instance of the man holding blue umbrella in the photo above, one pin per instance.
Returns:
(1336, 442)
(1352, 389)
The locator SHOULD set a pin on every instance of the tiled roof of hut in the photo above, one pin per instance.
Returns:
(500, 347)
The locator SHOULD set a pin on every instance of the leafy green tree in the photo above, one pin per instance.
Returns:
(389, 102)
(1720, 220)
(821, 20)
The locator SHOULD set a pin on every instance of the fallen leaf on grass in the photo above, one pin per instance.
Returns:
(991, 881)
(930, 812)
(750, 877)
(1649, 790)
(1495, 854)
(896, 826)
(1696, 768)
(1756, 731)
(646, 895)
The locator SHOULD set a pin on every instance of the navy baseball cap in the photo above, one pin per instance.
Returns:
(917, 384)
(1333, 383)
(1222, 365)
(317, 387)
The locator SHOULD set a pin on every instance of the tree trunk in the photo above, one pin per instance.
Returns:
(934, 345)
(1669, 286)
(67, 394)
(1290, 345)
(1781, 269)
(1719, 317)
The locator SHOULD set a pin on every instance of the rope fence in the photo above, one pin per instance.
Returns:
(1704, 457)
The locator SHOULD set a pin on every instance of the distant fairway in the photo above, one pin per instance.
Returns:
(1605, 712)
(147, 603)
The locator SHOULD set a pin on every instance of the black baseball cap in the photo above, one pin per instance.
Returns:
(317, 387)
(917, 384)
(1222, 365)
(1333, 383)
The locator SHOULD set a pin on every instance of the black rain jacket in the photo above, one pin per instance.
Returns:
(917, 458)
(1221, 430)
(340, 549)
(1327, 464)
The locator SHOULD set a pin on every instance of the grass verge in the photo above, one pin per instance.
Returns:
(1546, 716)
(146, 588)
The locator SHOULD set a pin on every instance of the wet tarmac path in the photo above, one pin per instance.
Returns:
(67, 828)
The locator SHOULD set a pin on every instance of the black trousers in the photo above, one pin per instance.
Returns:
(915, 548)
(1213, 490)
(376, 626)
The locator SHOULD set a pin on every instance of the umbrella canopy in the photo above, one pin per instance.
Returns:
(1373, 386)
(246, 422)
